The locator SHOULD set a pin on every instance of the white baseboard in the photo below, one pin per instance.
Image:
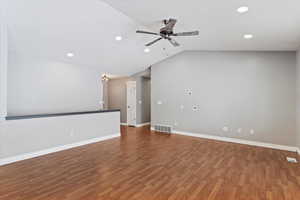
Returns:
(143, 124)
(26, 156)
(137, 125)
(239, 141)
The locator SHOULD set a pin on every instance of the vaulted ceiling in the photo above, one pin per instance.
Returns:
(275, 24)
(50, 29)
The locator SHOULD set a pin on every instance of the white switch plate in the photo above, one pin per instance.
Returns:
(225, 129)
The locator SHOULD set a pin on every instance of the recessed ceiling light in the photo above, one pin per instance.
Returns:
(243, 9)
(118, 38)
(147, 50)
(70, 55)
(248, 36)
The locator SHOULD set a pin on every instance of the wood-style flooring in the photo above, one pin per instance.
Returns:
(144, 165)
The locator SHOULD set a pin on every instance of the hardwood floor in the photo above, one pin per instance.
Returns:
(150, 166)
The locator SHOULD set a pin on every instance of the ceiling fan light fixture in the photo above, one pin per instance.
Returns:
(167, 33)
(105, 78)
(243, 9)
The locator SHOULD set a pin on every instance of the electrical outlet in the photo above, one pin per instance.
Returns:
(159, 102)
(72, 132)
(239, 130)
(252, 132)
(175, 123)
(181, 107)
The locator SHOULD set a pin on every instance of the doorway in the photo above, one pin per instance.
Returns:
(131, 103)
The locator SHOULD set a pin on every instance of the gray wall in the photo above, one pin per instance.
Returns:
(105, 94)
(3, 69)
(298, 99)
(143, 95)
(44, 86)
(117, 98)
(247, 90)
(146, 98)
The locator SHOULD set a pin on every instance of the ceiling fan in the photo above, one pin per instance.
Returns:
(167, 33)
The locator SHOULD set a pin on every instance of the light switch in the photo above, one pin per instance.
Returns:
(225, 129)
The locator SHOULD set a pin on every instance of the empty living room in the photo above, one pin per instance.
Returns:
(149, 100)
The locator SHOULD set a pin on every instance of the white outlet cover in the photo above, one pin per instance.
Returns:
(175, 124)
(181, 107)
(159, 102)
(239, 130)
(225, 129)
(252, 132)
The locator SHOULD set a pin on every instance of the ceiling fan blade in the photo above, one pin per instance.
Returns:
(150, 43)
(192, 33)
(147, 32)
(173, 42)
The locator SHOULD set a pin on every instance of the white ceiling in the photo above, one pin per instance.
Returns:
(275, 24)
(51, 28)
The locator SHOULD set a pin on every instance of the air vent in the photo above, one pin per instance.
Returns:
(163, 128)
(292, 160)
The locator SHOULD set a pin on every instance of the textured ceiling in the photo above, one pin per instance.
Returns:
(49, 29)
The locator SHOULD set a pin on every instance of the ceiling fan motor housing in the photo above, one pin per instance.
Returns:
(167, 32)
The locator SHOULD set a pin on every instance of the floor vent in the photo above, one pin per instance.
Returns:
(291, 160)
(163, 128)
